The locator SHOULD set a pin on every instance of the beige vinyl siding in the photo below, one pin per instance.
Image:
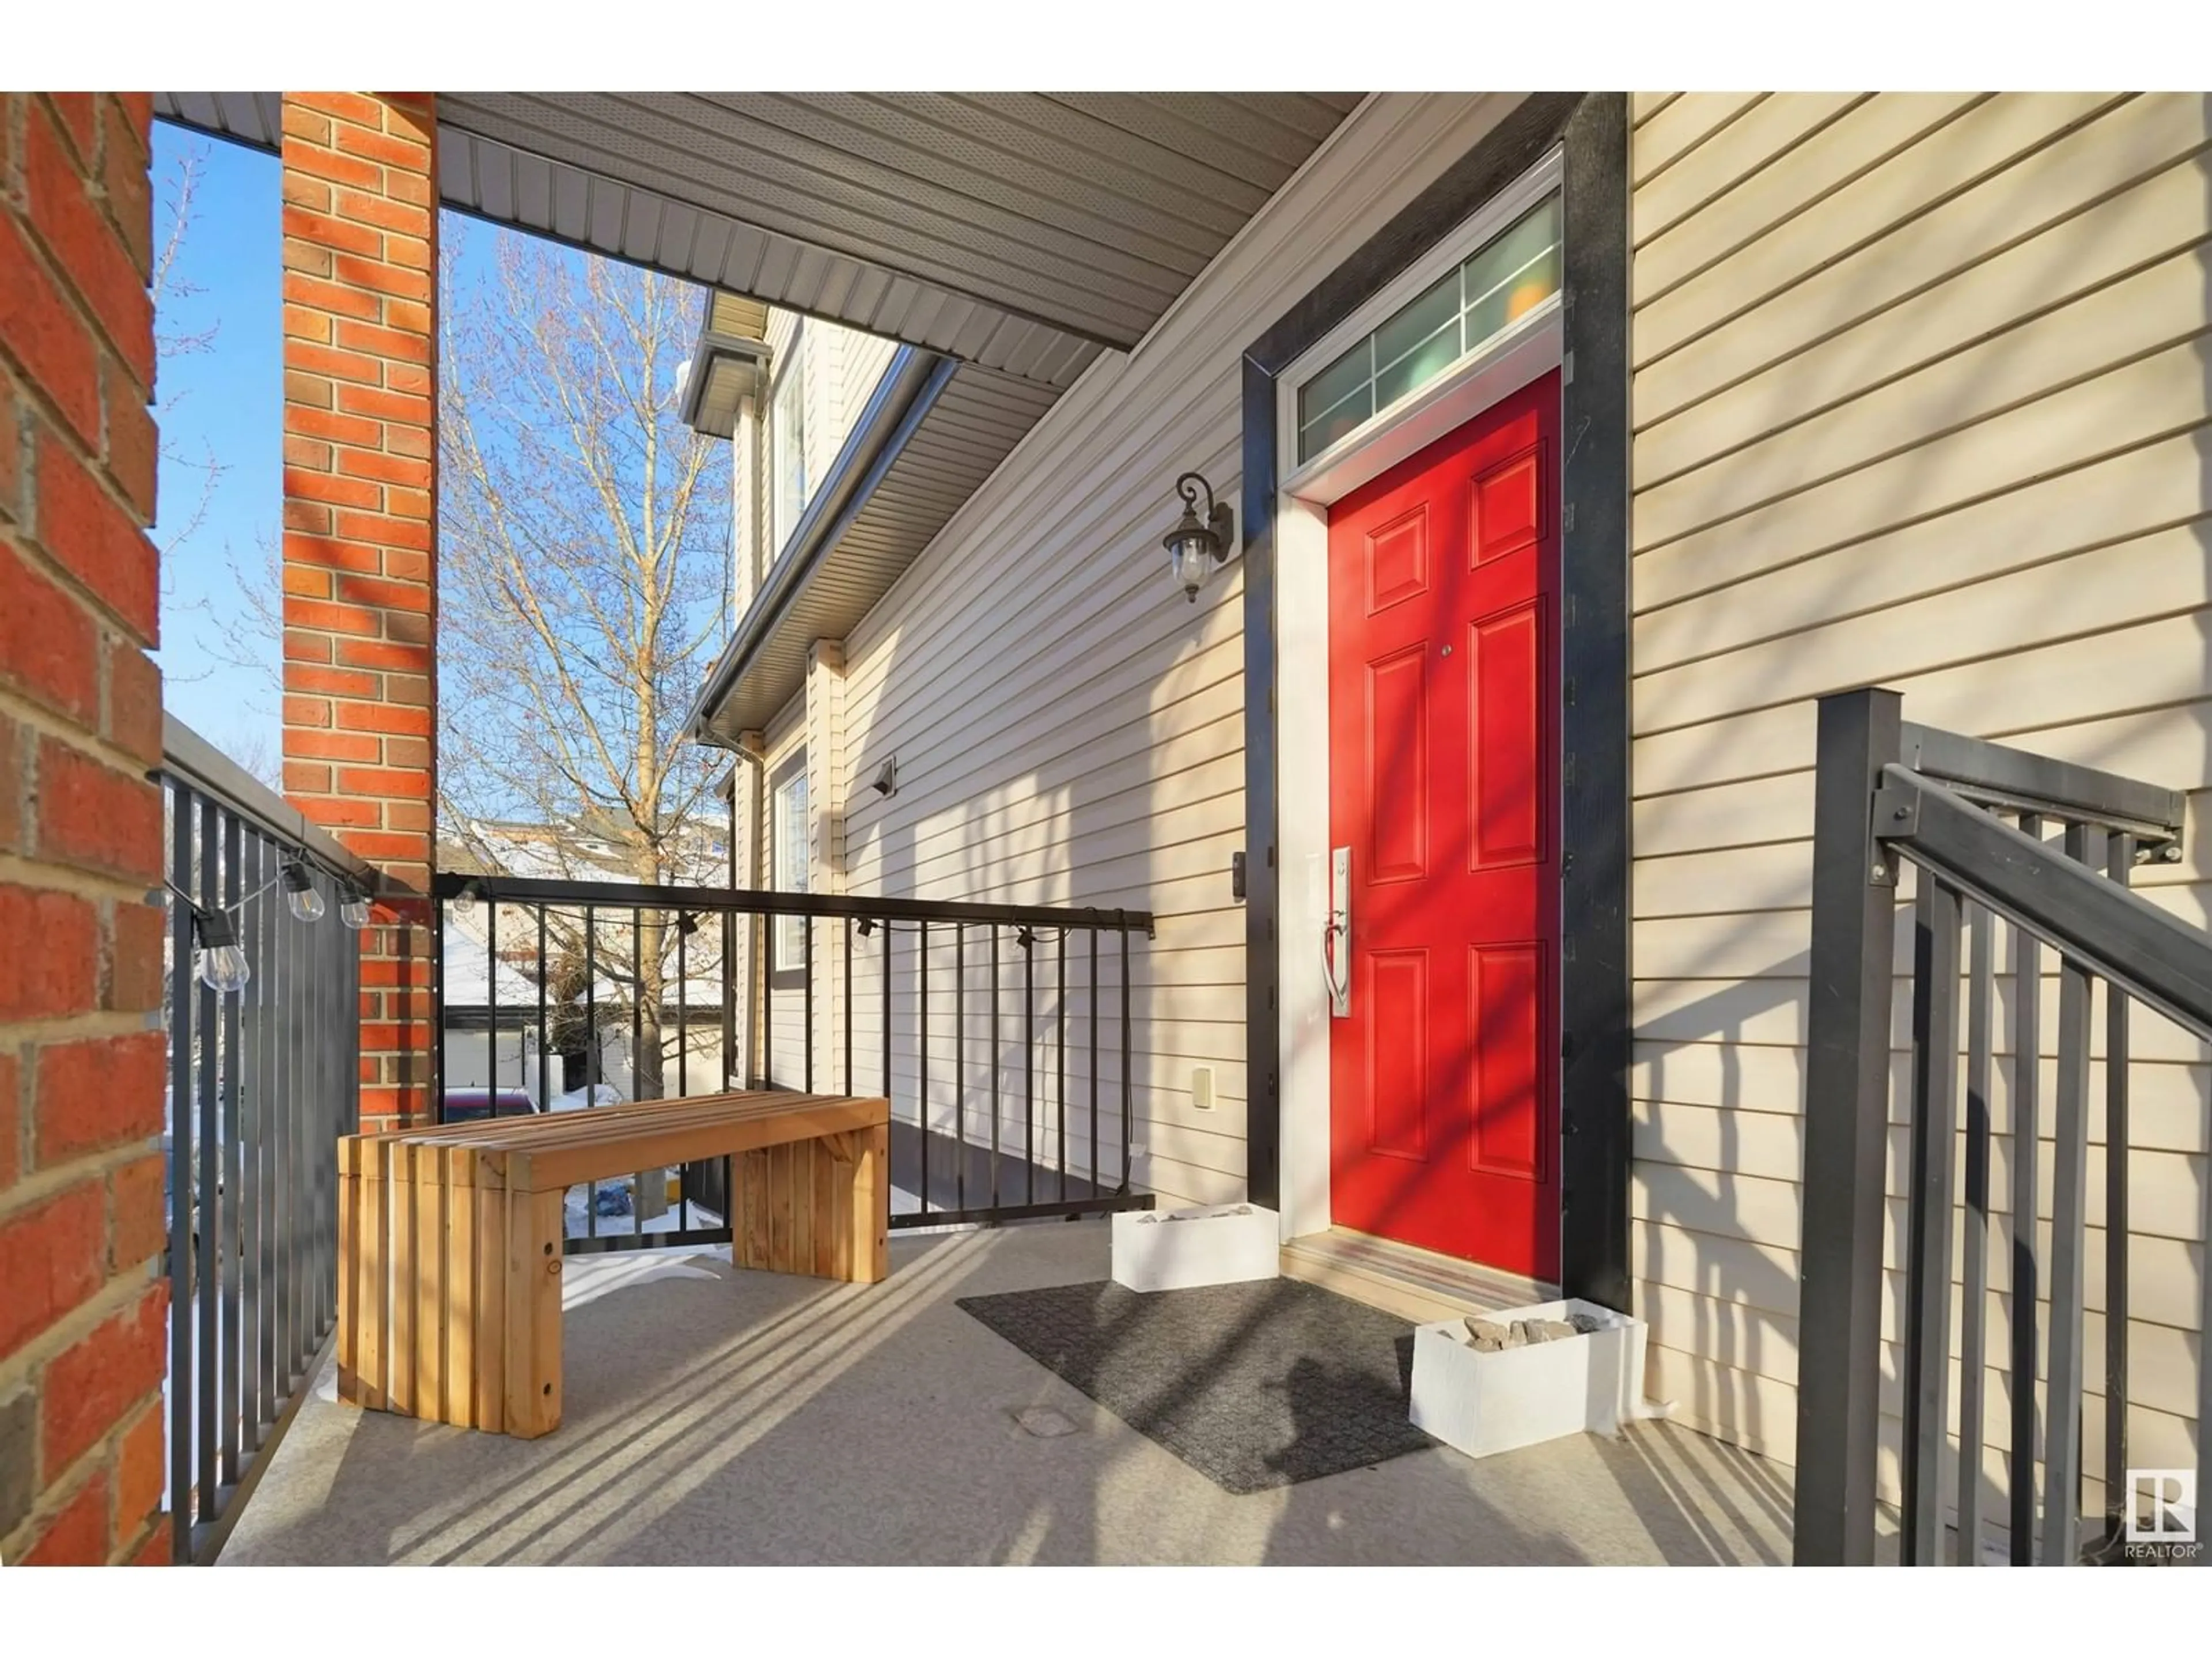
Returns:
(1069, 731)
(1921, 388)
(858, 363)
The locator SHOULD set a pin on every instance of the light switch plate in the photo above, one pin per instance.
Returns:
(1202, 1087)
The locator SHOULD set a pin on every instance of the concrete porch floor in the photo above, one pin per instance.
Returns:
(716, 1417)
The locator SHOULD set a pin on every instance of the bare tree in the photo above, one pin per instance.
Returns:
(170, 287)
(583, 576)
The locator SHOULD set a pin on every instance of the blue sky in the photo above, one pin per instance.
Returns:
(225, 399)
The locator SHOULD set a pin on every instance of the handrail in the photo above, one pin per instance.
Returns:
(188, 755)
(744, 900)
(1993, 774)
(2155, 956)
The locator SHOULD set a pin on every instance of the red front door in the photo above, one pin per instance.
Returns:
(1444, 1121)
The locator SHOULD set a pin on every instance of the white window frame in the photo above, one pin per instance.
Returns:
(790, 374)
(795, 854)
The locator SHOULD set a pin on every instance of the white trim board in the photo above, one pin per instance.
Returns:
(1531, 348)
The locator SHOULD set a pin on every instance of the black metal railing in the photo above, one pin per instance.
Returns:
(263, 1080)
(1001, 1034)
(1975, 821)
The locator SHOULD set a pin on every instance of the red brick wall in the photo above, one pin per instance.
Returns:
(82, 1309)
(359, 530)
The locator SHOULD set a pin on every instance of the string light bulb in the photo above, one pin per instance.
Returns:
(465, 903)
(353, 909)
(221, 965)
(301, 897)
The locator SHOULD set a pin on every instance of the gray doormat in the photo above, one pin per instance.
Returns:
(1255, 1385)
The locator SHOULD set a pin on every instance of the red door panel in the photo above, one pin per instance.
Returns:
(1442, 694)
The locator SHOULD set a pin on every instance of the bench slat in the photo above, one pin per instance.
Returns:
(621, 1150)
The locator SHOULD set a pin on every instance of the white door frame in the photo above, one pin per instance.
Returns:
(1531, 348)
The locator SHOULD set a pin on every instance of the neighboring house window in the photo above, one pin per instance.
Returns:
(788, 851)
(788, 443)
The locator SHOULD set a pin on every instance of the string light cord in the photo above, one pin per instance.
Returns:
(345, 887)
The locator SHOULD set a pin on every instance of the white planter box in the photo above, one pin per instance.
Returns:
(1482, 1403)
(1176, 1249)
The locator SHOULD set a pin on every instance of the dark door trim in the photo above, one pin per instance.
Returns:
(1594, 721)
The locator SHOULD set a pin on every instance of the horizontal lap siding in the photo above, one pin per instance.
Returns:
(1068, 731)
(1921, 389)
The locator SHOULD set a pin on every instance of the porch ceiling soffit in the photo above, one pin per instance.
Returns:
(1021, 232)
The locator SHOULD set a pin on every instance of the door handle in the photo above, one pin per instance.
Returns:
(1336, 935)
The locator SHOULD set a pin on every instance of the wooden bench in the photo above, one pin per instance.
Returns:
(449, 1239)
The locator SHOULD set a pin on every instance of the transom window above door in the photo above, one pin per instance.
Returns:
(1510, 276)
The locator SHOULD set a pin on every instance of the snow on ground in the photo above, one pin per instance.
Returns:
(576, 1099)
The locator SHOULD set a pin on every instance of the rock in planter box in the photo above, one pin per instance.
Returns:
(1176, 1249)
(1526, 1375)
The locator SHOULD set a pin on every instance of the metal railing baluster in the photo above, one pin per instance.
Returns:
(1060, 1061)
(206, 1292)
(996, 1108)
(231, 1234)
(921, 1042)
(1129, 1049)
(2062, 1455)
(1935, 1120)
(183, 1371)
(2026, 1203)
(637, 1071)
(544, 1030)
(269, 1047)
(1029, 1066)
(683, 1060)
(1096, 1182)
(1972, 1356)
(591, 1054)
(2120, 864)
(960, 1066)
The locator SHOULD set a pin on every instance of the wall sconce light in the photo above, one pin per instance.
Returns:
(1195, 546)
(886, 783)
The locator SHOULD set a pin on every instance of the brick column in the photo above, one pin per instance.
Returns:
(360, 532)
(81, 1308)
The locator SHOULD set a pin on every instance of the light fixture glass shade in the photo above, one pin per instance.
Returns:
(465, 903)
(354, 912)
(1190, 557)
(301, 897)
